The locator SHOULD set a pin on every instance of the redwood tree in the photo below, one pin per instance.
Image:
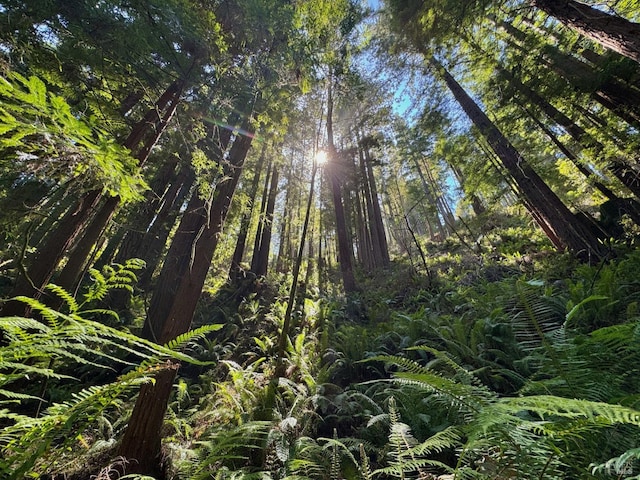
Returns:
(564, 229)
(610, 31)
(173, 304)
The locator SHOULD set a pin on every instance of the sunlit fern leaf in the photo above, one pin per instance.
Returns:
(338, 446)
(550, 406)
(20, 325)
(533, 315)
(15, 397)
(46, 312)
(228, 448)
(21, 369)
(445, 439)
(65, 296)
(458, 394)
(192, 335)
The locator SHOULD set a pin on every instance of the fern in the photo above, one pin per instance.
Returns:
(228, 448)
(40, 133)
(35, 350)
(519, 437)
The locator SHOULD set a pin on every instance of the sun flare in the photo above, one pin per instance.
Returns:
(321, 157)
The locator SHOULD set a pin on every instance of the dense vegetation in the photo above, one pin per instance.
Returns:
(319, 239)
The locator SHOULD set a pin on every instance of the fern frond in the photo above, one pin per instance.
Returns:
(65, 296)
(224, 447)
(365, 468)
(445, 439)
(460, 395)
(400, 469)
(21, 324)
(550, 406)
(46, 312)
(192, 335)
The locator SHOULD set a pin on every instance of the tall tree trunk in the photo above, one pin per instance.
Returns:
(262, 218)
(140, 243)
(373, 242)
(173, 305)
(286, 326)
(238, 253)
(431, 200)
(139, 220)
(563, 228)
(31, 282)
(345, 250)
(620, 99)
(378, 235)
(283, 257)
(589, 175)
(615, 165)
(155, 238)
(262, 255)
(610, 31)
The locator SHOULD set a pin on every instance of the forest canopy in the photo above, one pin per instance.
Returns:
(324, 239)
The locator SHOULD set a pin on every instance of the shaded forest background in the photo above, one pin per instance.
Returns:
(319, 239)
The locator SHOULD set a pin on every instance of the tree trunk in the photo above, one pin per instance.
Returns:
(286, 326)
(623, 100)
(238, 253)
(345, 250)
(610, 31)
(262, 255)
(147, 132)
(173, 305)
(32, 282)
(378, 236)
(141, 218)
(262, 218)
(155, 239)
(80, 255)
(563, 228)
(589, 175)
(620, 170)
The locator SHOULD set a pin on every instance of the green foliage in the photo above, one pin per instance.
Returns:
(41, 136)
(224, 451)
(35, 351)
(498, 430)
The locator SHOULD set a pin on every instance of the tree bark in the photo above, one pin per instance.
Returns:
(616, 166)
(621, 99)
(610, 31)
(261, 219)
(155, 239)
(378, 236)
